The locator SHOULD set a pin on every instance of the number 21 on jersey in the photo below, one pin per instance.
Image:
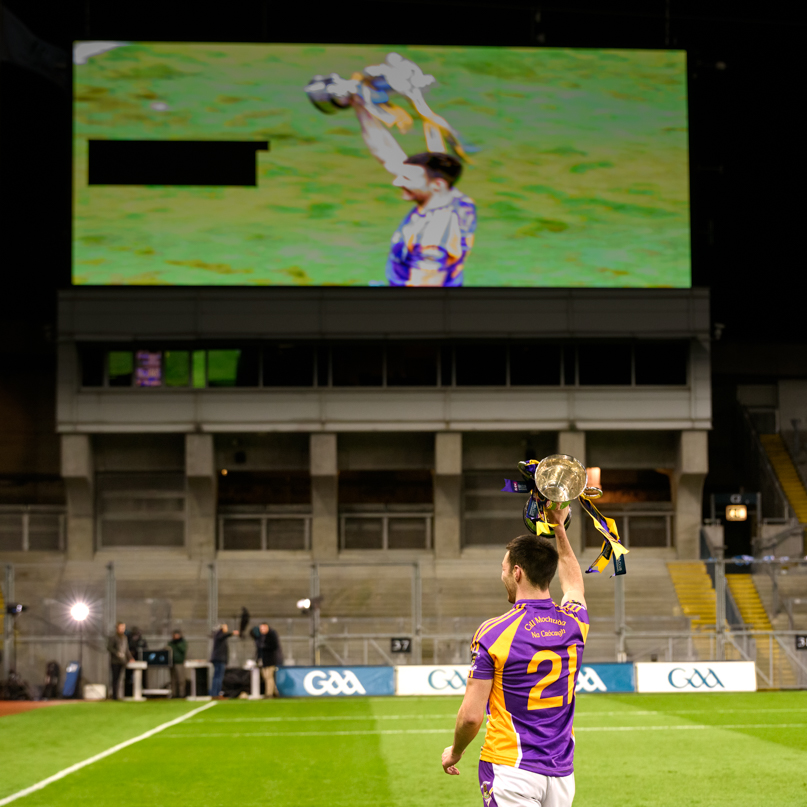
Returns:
(537, 699)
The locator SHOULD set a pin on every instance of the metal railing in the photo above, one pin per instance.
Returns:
(779, 665)
(769, 485)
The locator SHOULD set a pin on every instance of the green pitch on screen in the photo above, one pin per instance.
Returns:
(581, 178)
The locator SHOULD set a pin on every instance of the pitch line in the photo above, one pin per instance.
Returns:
(314, 719)
(686, 727)
(295, 719)
(311, 733)
(115, 748)
(624, 713)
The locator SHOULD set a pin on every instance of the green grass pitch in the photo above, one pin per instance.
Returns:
(632, 751)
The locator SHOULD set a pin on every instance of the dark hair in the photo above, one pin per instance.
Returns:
(437, 165)
(537, 558)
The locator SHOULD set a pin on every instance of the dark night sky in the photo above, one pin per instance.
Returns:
(746, 88)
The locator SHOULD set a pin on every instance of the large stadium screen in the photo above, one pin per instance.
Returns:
(314, 165)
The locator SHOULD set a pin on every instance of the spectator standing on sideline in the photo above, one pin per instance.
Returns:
(268, 655)
(219, 657)
(119, 657)
(179, 650)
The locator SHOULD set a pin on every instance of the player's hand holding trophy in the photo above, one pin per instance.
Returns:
(553, 483)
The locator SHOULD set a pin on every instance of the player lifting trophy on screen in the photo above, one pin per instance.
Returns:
(432, 243)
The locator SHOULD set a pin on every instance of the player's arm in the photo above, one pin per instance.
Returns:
(569, 574)
(469, 721)
(383, 146)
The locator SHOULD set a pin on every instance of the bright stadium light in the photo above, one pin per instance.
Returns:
(304, 605)
(80, 611)
(736, 512)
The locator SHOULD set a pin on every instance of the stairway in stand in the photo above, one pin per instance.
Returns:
(787, 474)
(755, 616)
(696, 596)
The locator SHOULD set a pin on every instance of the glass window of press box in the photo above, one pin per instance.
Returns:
(393, 364)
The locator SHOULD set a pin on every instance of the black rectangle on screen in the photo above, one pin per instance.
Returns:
(173, 162)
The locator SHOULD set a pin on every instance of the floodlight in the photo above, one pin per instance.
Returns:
(304, 605)
(736, 512)
(80, 611)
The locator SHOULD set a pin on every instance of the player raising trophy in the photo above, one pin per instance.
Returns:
(433, 241)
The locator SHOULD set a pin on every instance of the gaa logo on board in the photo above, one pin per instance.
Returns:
(447, 679)
(694, 678)
(332, 682)
(589, 681)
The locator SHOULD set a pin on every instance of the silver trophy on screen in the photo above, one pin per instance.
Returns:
(374, 87)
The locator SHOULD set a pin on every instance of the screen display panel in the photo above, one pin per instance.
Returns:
(230, 164)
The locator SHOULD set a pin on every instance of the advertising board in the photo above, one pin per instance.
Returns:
(427, 679)
(697, 676)
(451, 679)
(605, 678)
(316, 682)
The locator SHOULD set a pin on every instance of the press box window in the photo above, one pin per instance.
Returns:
(411, 364)
(120, 368)
(92, 366)
(148, 369)
(601, 364)
(357, 365)
(232, 368)
(534, 365)
(176, 368)
(288, 365)
(661, 363)
(480, 365)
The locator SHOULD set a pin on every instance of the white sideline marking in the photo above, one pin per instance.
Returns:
(696, 726)
(684, 712)
(685, 727)
(447, 730)
(119, 747)
(312, 718)
(294, 719)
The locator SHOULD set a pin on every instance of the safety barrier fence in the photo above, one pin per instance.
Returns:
(774, 656)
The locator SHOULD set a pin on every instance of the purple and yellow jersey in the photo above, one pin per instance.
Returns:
(533, 654)
(429, 248)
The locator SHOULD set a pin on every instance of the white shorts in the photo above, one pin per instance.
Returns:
(503, 786)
